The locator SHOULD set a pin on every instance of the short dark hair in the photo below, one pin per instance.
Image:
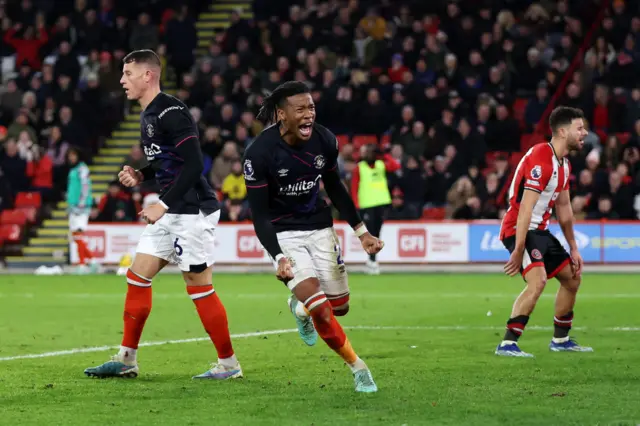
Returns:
(276, 99)
(144, 56)
(563, 116)
(79, 152)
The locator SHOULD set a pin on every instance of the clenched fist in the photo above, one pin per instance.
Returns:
(130, 177)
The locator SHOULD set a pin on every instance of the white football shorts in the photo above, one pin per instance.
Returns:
(187, 240)
(316, 254)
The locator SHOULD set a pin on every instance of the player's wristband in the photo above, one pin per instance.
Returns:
(278, 257)
(162, 203)
(361, 231)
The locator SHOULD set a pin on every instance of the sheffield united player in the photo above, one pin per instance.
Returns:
(283, 168)
(181, 226)
(541, 181)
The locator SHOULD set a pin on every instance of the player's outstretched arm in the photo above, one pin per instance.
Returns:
(529, 199)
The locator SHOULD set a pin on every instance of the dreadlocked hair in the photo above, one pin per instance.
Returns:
(268, 110)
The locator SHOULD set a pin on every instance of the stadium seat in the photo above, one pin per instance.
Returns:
(13, 217)
(600, 117)
(519, 107)
(623, 137)
(31, 213)
(515, 158)
(342, 141)
(433, 213)
(11, 234)
(385, 141)
(527, 141)
(28, 199)
(490, 157)
(360, 140)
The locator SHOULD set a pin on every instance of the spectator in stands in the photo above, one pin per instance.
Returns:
(490, 197)
(620, 195)
(233, 186)
(537, 106)
(117, 205)
(14, 167)
(72, 130)
(503, 133)
(28, 45)
(604, 210)
(21, 124)
(223, 163)
(144, 34)
(11, 98)
(412, 189)
(414, 141)
(66, 63)
(458, 196)
(181, 41)
(399, 210)
(234, 211)
(6, 193)
(57, 150)
(40, 172)
(469, 144)
(136, 158)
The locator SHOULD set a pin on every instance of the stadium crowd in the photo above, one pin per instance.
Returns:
(450, 89)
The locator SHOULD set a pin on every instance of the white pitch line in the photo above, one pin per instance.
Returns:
(156, 343)
(293, 330)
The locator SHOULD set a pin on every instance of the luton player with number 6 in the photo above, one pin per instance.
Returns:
(283, 168)
(540, 183)
(181, 226)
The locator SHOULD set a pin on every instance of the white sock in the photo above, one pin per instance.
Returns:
(508, 342)
(358, 365)
(230, 362)
(128, 355)
(300, 312)
(560, 339)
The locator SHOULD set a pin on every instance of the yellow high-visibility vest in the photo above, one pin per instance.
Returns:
(373, 189)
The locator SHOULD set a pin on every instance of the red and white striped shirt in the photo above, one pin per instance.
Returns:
(539, 170)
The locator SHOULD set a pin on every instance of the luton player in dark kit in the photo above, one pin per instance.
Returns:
(181, 227)
(282, 169)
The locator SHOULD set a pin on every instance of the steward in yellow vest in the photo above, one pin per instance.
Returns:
(370, 191)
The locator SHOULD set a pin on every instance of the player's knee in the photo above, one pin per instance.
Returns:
(571, 284)
(340, 305)
(341, 310)
(319, 308)
(197, 275)
(536, 286)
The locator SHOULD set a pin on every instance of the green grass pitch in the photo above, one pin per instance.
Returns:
(428, 339)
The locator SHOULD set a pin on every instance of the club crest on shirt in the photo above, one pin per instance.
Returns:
(536, 172)
(319, 161)
(248, 170)
(150, 130)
